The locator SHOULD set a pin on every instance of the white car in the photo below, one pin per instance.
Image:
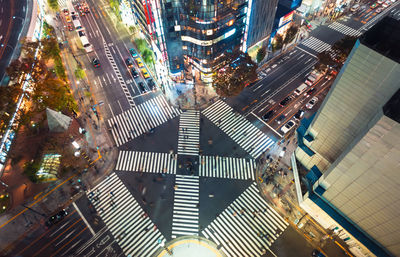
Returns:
(288, 126)
(385, 5)
(312, 102)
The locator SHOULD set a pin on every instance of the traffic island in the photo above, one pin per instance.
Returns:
(193, 246)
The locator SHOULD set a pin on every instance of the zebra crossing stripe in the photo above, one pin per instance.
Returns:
(189, 133)
(344, 29)
(185, 219)
(140, 119)
(227, 167)
(243, 132)
(247, 227)
(146, 162)
(135, 232)
(316, 44)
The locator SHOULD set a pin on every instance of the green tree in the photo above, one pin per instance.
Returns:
(148, 56)
(231, 79)
(114, 4)
(30, 170)
(141, 44)
(53, 4)
(260, 54)
(50, 48)
(325, 59)
(277, 43)
(79, 73)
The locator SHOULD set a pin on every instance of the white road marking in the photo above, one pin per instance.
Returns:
(122, 110)
(83, 218)
(266, 124)
(112, 113)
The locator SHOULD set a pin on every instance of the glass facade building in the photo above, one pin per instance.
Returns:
(194, 32)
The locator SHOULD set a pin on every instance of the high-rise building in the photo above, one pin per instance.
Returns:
(351, 147)
(193, 33)
(261, 21)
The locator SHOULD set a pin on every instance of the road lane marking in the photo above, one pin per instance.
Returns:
(306, 52)
(83, 218)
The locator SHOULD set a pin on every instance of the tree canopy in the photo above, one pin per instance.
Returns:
(261, 54)
(343, 47)
(277, 42)
(239, 71)
(290, 34)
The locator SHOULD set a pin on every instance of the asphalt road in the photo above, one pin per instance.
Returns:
(10, 29)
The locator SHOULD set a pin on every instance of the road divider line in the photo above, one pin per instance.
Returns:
(84, 219)
(307, 52)
(267, 124)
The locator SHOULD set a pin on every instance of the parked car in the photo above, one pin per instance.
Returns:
(379, 10)
(134, 73)
(312, 102)
(268, 115)
(133, 53)
(316, 253)
(151, 84)
(70, 27)
(380, 1)
(373, 6)
(280, 119)
(96, 62)
(128, 62)
(385, 5)
(288, 126)
(285, 101)
(142, 88)
(56, 218)
(299, 114)
(139, 62)
(145, 73)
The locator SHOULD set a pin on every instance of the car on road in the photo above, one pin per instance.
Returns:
(317, 253)
(151, 84)
(139, 62)
(312, 102)
(67, 18)
(380, 1)
(299, 114)
(56, 218)
(280, 119)
(70, 27)
(309, 92)
(288, 126)
(285, 101)
(142, 88)
(128, 62)
(145, 73)
(385, 5)
(133, 52)
(373, 6)
(66, 12)
(379, 10)
(134, 73)
(96, 62)
(268, 115)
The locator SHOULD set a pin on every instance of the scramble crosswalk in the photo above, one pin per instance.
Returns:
(146, 162)
(134, 231)
(247, 227)
(316, 44)
(226, 167)
(243, 132)
(189, 133)
(141, 119)
(344, 29)
(185, 220)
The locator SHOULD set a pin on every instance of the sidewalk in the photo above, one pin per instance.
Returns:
(275, 181)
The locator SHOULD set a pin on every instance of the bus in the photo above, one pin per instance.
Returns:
(85, 42)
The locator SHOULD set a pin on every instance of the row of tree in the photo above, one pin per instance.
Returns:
(47, 87)
(145, 51)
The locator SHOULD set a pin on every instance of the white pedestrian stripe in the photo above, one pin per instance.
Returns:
(134, 231)
(146, 162)
(344, 29)
(189, 133)
(141, 119)
(243, 132)
(227, 167)
(247, 227)
(185, 219)
(62, 4)
(316, 44)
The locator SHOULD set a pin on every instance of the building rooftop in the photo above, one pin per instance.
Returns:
(392, 108)
(384, 38)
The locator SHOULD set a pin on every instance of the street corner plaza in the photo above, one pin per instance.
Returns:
(192, 175)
